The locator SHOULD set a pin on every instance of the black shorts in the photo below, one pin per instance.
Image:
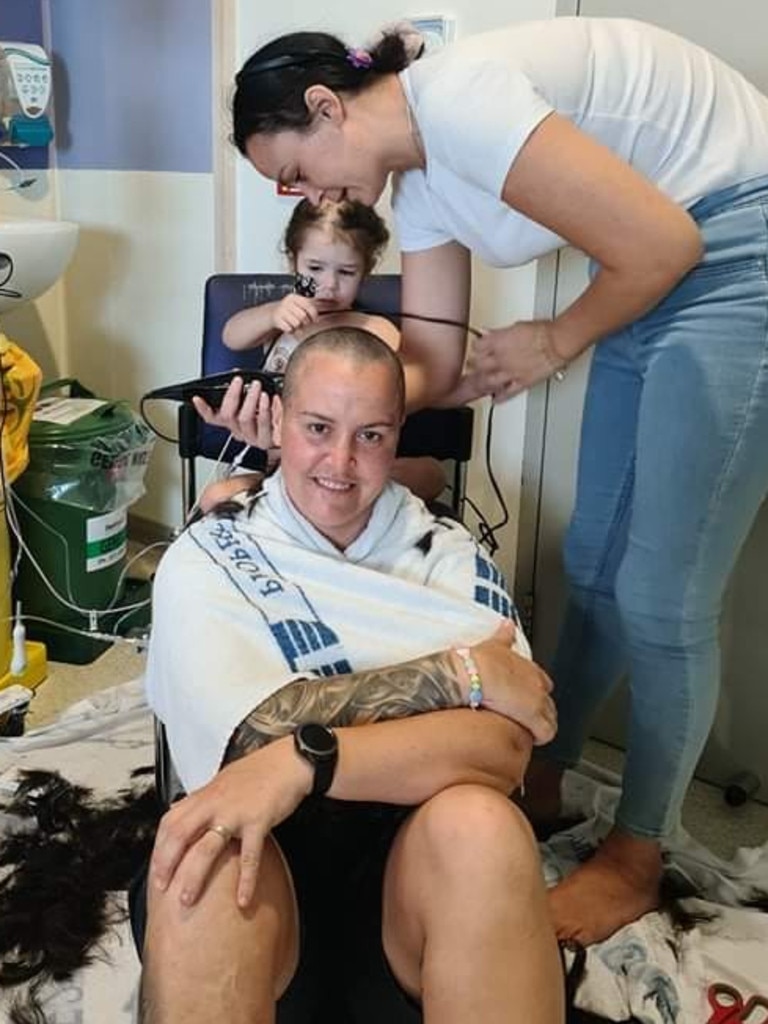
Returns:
(337, 853)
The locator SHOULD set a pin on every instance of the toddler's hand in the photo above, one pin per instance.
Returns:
(293, 312)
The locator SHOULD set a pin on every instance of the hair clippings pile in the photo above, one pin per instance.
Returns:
(360, 58)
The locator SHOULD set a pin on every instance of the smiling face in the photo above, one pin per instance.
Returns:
(335, 266)
(331, 160)
(337, 431)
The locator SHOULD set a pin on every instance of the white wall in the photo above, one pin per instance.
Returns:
(498, 296)
(127, 314)
(134, 297)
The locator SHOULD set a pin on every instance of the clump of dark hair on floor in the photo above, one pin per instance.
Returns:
(673, 888)
(756, 900)
(60, 867)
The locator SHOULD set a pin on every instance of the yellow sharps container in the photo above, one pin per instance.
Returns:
(20, 386)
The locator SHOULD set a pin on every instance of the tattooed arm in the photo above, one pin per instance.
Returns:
(514, 687)
(425, 684)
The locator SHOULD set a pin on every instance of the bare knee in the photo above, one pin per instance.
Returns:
(475, 825)
(466, 849)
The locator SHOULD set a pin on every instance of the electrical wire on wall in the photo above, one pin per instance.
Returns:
(486, 533)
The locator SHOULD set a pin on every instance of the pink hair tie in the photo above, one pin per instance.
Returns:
(360, 58)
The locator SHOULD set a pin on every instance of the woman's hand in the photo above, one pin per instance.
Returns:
(514, 686)
(247, 419)
(509, 360)
(248, 798)
(294, 311)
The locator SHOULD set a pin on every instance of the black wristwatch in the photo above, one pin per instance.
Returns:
(318, 745)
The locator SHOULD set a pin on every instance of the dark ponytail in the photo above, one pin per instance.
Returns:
(270, 86)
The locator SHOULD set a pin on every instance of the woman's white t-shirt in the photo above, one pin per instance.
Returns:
(672, 110)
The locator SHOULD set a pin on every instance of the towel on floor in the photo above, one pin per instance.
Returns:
(650, 970)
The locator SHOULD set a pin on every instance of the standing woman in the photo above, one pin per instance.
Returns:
(651, 156)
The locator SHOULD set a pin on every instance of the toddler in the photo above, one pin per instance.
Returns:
(335, 244)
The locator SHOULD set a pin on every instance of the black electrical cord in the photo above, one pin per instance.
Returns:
(487, 532)
(392, 315)
(491, 530)
(483, 528)
(436, 320)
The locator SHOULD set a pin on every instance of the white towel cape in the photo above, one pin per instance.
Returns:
(243, 606)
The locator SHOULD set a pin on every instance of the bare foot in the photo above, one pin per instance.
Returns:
(616, 886)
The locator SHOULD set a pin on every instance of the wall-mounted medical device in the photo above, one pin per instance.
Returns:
(25, 91)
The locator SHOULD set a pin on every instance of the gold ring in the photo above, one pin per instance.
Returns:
(222, 831)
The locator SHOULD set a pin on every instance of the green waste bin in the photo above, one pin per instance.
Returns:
(87, 460)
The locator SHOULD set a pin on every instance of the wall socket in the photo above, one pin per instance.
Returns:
(437, 29)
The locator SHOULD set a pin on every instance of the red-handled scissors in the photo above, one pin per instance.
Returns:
(729, 1006)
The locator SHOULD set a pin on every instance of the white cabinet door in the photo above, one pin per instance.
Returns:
(736, 31)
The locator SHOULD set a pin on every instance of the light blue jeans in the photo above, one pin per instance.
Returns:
(673, 467)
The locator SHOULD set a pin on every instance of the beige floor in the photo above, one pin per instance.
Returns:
(67, 684)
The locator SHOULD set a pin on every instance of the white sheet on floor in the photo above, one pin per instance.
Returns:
(646, 970)
(99, 741)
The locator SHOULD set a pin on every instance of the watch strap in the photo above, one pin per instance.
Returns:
(324, 772)
(323, 762)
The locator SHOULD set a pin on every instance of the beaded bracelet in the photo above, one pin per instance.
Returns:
(475, 698)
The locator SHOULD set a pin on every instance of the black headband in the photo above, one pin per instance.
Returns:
(286, 60)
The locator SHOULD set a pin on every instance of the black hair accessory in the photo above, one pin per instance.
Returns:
(286, 60)
(305, 284)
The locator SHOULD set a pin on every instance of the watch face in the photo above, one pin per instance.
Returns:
(317, 739)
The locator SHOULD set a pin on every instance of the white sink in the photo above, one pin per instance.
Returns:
(33, 255)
